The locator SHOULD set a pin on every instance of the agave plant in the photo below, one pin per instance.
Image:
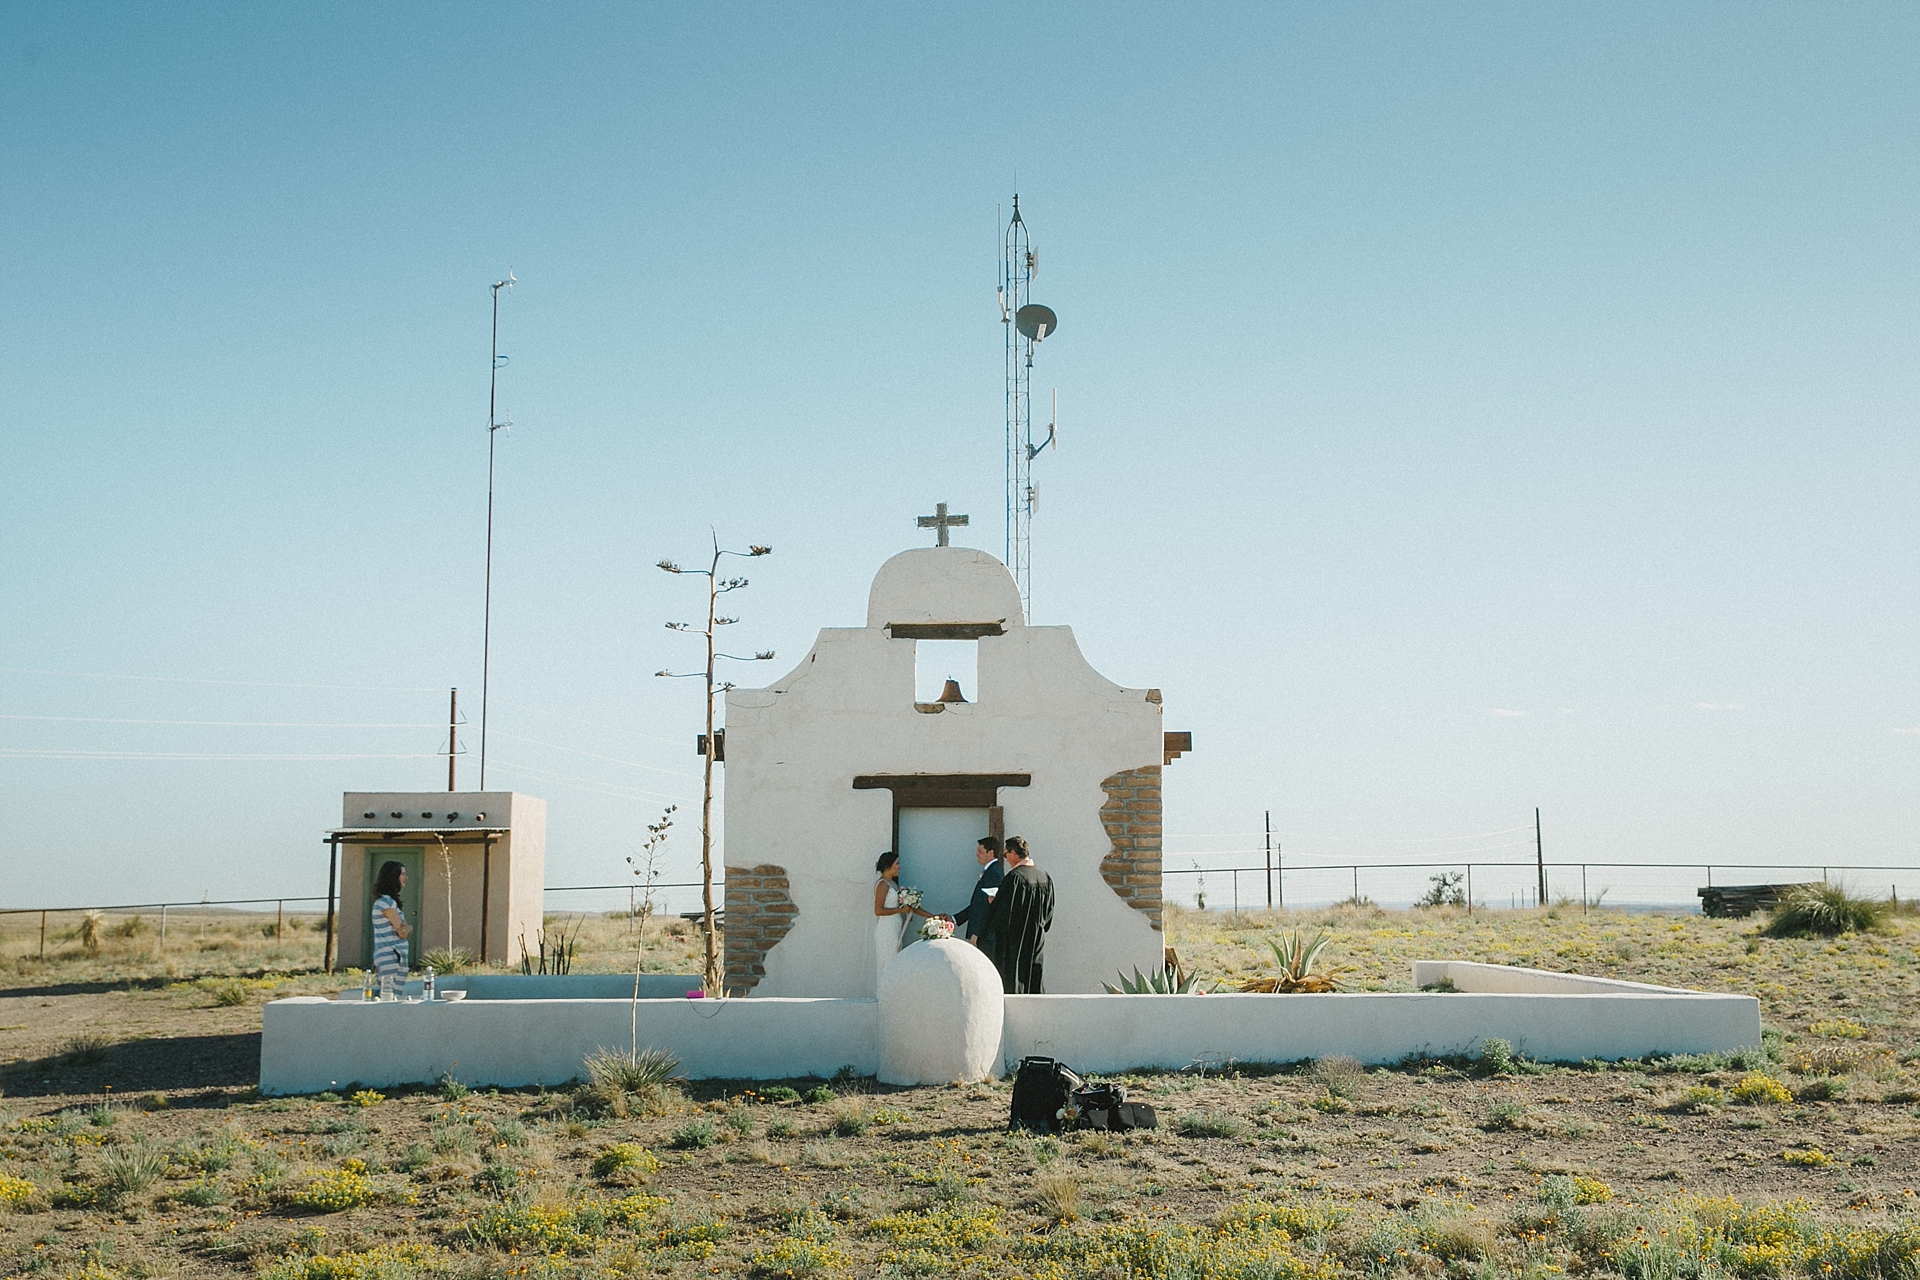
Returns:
(1296, 957)
(1169, 980)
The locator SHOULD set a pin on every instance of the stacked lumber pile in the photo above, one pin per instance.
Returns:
(1737, 900)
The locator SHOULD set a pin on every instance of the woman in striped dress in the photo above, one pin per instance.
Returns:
(390, 928)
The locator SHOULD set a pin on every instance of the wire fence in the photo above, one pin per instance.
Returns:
(1484, 884)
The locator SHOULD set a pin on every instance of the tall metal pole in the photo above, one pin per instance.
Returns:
(1269, 859)
(1539, 859)
(1016, 277)
(453, 721)
(493, 425)
(710, 978)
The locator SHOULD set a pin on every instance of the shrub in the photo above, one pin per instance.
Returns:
(127, 1171)
(14, 1192)
(1838, 1029)
(695, 1135)
(819, 1093)
(1496, 1057)
(740, 1120)
(497, 1179)
(625, 1162)
(383, 1262)
(1456, 1237)
(367, 1098)
(1209, 1124)
(1591, 1191)
(1508, 1116)
(448, 959)
(1340, 1075)
(1825, 911)
(621, 1077)
(850, 1121)
(1756, 1089)
(1059, 1196)
(451, 1088)
(1698, 1100)
(1830, 1059)
(1822, 1089)
(780, 1093)
(1809, 1158)
(333, 1192)
(203, 1194)
(85, 1048)
(228, 993)
(797, 1258)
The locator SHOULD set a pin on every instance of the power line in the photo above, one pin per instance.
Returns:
(250, 684)
(40, 753)
(592, 755)
(220, 724)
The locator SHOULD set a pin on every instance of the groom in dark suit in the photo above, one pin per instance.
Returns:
(992, 872)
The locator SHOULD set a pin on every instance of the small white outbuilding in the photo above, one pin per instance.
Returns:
(838, 762)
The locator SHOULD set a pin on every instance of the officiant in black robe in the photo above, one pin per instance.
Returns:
(1018, 921)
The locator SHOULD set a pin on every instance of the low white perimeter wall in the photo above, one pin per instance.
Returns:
(1118, 1033)
(1470, 975)
(309, 1044)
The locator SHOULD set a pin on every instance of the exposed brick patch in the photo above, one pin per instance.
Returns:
(1131, 816)
(760, 911)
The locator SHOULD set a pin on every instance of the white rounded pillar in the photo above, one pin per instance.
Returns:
(942, 1014)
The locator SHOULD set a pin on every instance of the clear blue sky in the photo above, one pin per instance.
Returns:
(1466, 408)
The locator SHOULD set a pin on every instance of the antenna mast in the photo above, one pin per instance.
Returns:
(493, 426)
(1027, 325)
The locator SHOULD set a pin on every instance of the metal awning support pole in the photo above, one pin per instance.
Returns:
(333, 871)
(486, 894)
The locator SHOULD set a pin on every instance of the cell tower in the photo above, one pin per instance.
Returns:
(1027, 325)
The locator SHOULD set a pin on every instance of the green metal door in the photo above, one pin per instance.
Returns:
(413, 859)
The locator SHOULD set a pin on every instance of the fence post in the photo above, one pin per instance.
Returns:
(1356, 886)
(1583, 888)
(1236, 890)
(163, 926)
(1469, 888)
(43, 935)
(280, 919)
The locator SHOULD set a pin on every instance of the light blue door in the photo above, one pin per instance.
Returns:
(936, 855)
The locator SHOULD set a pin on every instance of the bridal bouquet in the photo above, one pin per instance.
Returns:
(937, 930)
(909, 897)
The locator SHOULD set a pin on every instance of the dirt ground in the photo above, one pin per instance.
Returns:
(859, 1179)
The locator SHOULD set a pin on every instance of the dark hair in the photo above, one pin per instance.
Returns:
(990, 843)
(886, 860)
(388, 881)
(1017, 847)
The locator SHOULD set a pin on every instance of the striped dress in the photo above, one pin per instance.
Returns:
(389, 950)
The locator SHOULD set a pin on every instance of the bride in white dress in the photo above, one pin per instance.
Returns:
(890, 918)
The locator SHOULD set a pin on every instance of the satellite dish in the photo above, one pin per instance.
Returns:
(1035, 321)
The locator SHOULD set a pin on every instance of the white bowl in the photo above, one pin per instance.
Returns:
(453, 995)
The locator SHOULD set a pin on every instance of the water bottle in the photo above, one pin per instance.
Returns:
(386, 988)
(426, 985)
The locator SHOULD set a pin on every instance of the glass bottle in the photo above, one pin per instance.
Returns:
(426, 985)
(386, 989)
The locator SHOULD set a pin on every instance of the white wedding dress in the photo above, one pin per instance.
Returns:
(886, 932)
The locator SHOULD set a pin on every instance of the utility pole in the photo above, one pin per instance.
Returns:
(1269, 859)
(1539, 858)
(453, 721)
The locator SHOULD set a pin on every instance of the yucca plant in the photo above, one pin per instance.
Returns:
(1296, 957)
(128, 1171)
(1826, 911)
(448, 959)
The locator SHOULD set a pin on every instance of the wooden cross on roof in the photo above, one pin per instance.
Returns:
(941, 521)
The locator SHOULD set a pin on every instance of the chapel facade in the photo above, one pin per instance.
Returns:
(837, 762)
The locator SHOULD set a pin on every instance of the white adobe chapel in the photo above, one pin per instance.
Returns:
(836, 763)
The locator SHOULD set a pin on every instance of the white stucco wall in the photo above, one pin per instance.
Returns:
(1114, 1033)
(795, 747)
(310, 1044)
